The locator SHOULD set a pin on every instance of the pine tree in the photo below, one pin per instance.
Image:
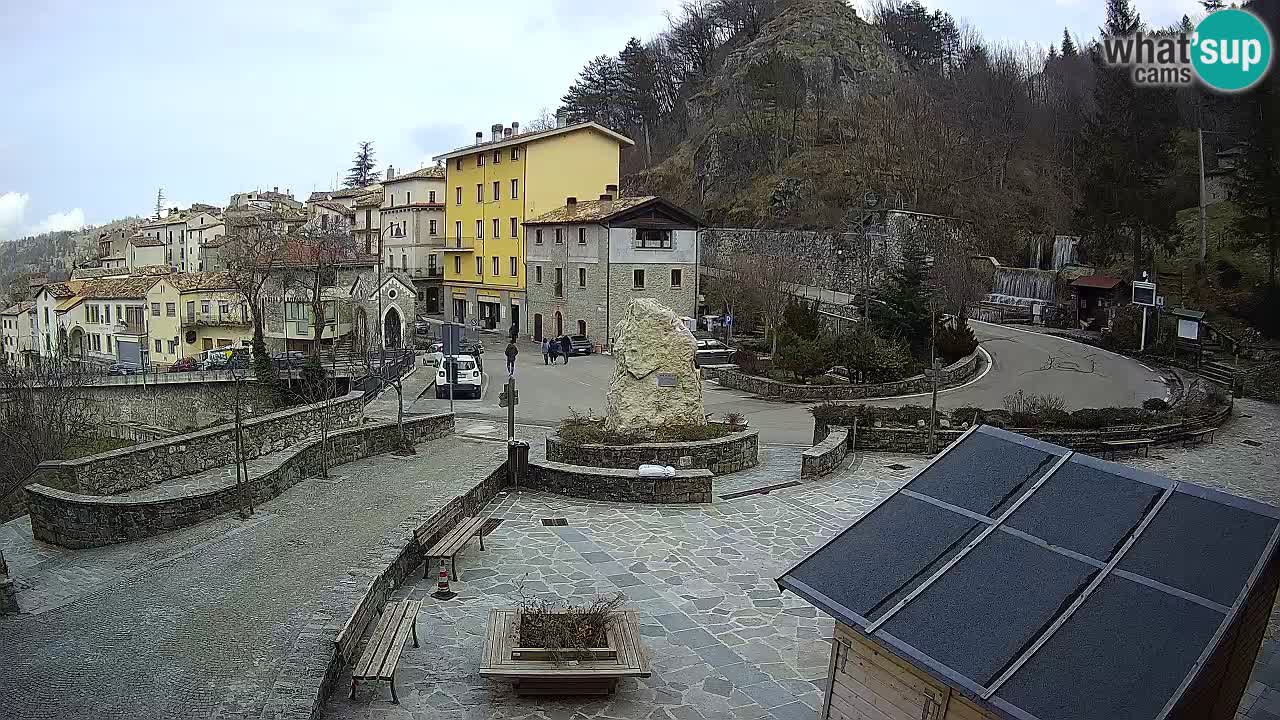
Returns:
(595, 95)
(1211, 5)
(159, 202)
(1068, 45)
(906, 299)
(362, 172)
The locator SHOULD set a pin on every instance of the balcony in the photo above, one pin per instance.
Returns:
(132, 328)
(459, 245)
(428, 273)
(215, 318)
(304, 330)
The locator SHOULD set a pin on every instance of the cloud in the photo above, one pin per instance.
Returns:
(69, 220)
(13, 206)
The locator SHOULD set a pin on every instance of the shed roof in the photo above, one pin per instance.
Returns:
(1045, 583)
(1101, 282)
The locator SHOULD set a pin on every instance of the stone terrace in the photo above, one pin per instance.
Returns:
(195, 623)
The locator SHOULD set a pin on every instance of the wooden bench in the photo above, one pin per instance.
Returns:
(1194, 436)
(452, 543)
(382, 654)
(1115, 446)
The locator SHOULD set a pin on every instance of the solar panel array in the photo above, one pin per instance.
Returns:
(1052, 585)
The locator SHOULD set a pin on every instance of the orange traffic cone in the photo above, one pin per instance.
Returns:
(442, 586)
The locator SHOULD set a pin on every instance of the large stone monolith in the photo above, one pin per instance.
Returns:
(656, 383)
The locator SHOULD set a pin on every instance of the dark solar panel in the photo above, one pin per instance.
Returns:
(983, 473)
(1122, 655)
(989, 606)
(1201, 546)
(885, 550)
(1085, 509)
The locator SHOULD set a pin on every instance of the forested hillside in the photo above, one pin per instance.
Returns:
(784, 113)
(52, 253)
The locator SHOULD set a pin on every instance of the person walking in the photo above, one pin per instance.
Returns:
(546, 351)
(511, 353)
(553, 347)
(566, 347)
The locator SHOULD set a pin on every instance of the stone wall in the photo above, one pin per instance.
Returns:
(176, 406)
(721, 456)
(78, 521)
(138, 466)
(916, 440)
(328, 641)
(954, 374)
(688, 486)
(8, 593)
(1261, 381)
(826, 456)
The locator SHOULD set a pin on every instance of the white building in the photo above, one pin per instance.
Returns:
(412, 229)
(16, 329)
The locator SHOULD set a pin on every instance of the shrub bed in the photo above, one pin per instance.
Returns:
(583, 430)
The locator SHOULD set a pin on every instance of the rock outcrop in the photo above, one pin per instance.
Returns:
(656, 383)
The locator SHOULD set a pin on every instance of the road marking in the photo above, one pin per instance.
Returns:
(987, 369)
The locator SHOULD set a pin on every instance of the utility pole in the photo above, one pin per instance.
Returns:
(933, 374)
(1204, 225)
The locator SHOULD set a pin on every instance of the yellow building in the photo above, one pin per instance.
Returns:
(189, 313)
(492, 187)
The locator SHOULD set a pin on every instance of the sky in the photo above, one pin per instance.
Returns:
(111, 100)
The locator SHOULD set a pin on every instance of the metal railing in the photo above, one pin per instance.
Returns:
(213, 319)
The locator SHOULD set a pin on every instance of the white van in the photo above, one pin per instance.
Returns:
(469, 379)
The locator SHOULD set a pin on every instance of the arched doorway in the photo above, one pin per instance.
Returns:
(391, 328)
(74, 345)
(360, 328)
(582, 328)
(537, 327)
(559, 324)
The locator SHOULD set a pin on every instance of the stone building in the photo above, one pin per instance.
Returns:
(587, 260)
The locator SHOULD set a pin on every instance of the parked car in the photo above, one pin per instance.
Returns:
(467, 378)
(224, 358)
(435, 352)
(580, 345)
(123, 368)
(712, 352)
(186, 364)
(289, 360)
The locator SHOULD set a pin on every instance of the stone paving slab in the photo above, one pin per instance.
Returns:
(194, 624)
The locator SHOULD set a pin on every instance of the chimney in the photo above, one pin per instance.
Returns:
(611, 189)
(571, 203)
(479, 137)
(606, 196)
(506, 132)
(275, 189)
(515, 128)
(391, 172)
(561, 119)
(495, 131)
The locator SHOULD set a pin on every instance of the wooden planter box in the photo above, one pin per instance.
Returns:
(539, 671)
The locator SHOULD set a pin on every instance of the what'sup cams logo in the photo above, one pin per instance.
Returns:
(1230, 51)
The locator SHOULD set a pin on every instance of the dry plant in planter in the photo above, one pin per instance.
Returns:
(563, 630)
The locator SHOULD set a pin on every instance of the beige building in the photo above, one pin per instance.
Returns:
(368, 221)
(141, 251)
(193, 312)
(16, 324)
(413, 231)
(202, 229)
(100, 320)
(271, 199)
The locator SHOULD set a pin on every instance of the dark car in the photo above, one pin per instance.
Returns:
(186, 364)
(123, 368)
(712, 352)
(289, 360)
(580, 345)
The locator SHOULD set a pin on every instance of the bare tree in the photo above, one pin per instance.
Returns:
(368, 343)
(251, 254)
(770, 280)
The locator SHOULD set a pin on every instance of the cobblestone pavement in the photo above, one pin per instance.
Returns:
(194, 624)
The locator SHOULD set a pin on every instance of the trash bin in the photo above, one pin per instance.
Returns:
(517, 461)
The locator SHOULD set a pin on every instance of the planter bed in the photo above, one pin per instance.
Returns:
(541, 671)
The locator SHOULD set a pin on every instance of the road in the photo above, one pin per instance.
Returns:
(1081, 375)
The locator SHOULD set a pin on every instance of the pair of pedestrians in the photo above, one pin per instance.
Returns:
(553, 348)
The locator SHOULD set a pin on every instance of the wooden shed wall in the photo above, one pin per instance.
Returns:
(868, 682)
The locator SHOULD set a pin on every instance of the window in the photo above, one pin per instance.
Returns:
(119, 313)
(171, 309)
(108, 343)
(458, 165)
(479, 159)
(204, 307)
(515, 153)
(559, 239)
(393, 199)
(408, 198)
(479, 229)
(479, 192)
(515, 267)
(537, 236)
(158, 346)
(537, 274)
(106, 309)
(432, 229)
(582, 327)
(497, 156)
(497, 191)
(191, 308)
(404, 263)
(515, 188)
(496, 269)
(173, 347)
(559, 282)
(457, 232)
(652, 238)
(637, 279)
(457, 264)
(515, 226)
(459, 193)
(582, 236)
(224, 307)
(676, 277)
(497, 228)
(582, 277)
(391, 261)
(480, 266)
(431, 197)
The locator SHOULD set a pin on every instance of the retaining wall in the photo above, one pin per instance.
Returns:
(138, 466)
(916, 440)
(959, 372)
(721, 456)
(826, 455)
(80, 521)
(688, 486)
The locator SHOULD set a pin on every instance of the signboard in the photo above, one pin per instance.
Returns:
(667, 380)
(1188, 329)
(451, 338)
(1144, 293)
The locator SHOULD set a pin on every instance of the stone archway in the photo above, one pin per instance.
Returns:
(392, 328)
(75, 342)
